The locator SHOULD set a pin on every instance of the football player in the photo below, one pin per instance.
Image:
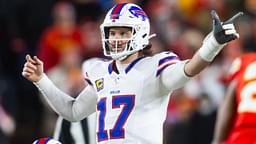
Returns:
(130, 93)
(237, 115)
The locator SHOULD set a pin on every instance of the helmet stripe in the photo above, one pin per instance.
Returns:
(43, 140)
(116, 10)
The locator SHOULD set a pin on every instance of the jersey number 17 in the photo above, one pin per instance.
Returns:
(117, 131)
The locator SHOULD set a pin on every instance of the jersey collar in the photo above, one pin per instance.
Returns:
(112, 66)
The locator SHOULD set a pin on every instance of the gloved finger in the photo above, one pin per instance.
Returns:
(232, 19)
(228, 26)
(232, 36)
(229, 32)
(215, 17)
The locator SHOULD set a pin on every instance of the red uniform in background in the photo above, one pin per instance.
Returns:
(54, 42)
(62, 35)
(243, 130)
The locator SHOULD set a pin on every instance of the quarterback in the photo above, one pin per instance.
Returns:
(129, 93)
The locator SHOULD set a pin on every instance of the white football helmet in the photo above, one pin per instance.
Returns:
(126, 15)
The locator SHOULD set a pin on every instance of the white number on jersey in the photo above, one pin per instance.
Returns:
(248, 92)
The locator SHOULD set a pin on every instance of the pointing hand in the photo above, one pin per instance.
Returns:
(224, 31)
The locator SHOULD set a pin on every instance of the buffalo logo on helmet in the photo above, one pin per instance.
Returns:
(138, 12)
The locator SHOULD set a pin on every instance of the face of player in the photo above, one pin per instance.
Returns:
(118, 38)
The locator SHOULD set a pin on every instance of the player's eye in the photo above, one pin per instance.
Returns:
(112, 33)
(125, 34)
(122, 33)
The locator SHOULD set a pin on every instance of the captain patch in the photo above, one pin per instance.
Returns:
(99, 84)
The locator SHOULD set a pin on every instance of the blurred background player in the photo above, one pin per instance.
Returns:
(236, 117)
(237, 114)
(63, 34)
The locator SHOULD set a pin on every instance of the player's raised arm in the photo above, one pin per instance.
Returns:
(222, 33)
(65, 105)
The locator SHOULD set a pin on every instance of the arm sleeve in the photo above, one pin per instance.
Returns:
(68, 107)
(173, 76)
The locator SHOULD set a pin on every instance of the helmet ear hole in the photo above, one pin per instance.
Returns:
(106, 32)
(143, 36)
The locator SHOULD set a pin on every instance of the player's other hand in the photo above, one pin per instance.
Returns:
(33, 69)
(224, 31)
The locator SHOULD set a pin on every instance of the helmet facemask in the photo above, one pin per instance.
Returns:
(119, 48)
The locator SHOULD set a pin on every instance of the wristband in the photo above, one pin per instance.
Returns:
(210, 48)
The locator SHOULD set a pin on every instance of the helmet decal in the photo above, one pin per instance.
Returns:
(138, 12)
